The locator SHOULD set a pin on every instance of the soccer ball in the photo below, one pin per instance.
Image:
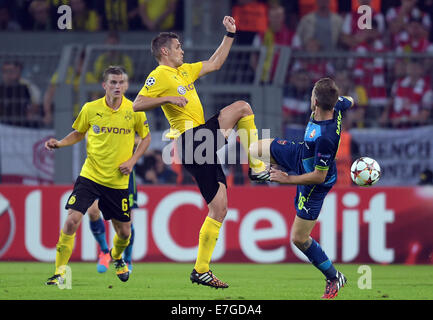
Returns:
(365, 172)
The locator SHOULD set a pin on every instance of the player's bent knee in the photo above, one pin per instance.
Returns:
(218, 213)
(300, 241)
(245, 108)
(72, 222)
(124, 234)
(93, 214)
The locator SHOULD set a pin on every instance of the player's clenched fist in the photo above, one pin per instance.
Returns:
(126, 167)
(179, 101)
(51, 144)
(229, 23)
(278, 176)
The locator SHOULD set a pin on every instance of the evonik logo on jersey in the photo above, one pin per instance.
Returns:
(183, 89)
(114, 130)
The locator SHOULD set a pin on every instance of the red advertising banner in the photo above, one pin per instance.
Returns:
(356, 225)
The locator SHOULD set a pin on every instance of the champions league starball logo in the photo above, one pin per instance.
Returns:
(7, 225)
(150, 81)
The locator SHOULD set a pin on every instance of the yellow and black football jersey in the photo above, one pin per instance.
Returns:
(111, 136)
(167, 81)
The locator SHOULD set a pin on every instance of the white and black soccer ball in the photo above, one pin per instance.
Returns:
(365, 172)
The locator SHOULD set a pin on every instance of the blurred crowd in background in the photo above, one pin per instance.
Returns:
(389, 92)
(92, 15)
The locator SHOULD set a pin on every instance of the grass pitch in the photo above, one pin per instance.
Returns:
(170, 281)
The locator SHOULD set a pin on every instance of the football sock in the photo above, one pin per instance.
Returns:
(248, 134)
(64, 248)
(98, 230)
(207, 240)
(320, 260)
(119, 246)
(127, 254)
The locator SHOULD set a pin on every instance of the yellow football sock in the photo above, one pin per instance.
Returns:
(208, 237)
(119, 245)
(64, 248)
(248, 134)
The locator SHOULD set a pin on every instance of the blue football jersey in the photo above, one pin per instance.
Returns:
(321, 141)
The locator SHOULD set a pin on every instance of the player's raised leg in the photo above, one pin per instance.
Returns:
(65, 246)
(97, 227)
(207, 240)
(120, 242)
(241, 115)
(301, 230)
(261, 150)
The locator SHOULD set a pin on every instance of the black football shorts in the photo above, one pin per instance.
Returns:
(202, 163)
(113, 203)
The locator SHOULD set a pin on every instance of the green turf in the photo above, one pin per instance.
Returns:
(160, 281)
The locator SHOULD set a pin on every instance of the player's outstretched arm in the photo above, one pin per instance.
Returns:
(315, 177)
(142, 103)
(143, 144)
(216, 61)
(70, 139)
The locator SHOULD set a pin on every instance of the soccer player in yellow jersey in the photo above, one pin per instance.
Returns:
(171, 85)
(111, 124)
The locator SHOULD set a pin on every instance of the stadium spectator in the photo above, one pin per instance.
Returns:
(398, 71)
(369, 70)
(412, 99)
(427, 6)
(322, 25)
(83, 18)
(154, 170)
(375, 5)
(276, 34)
(7, 23)
(251, 18)
(73, 75)
(119, 15)
(112, 57)
(352, 36)
(296, 102)
(317, 67)
(398, 19)
(40, 18)
(16, 106)
(308, 6)
(415, 39)
(291, 9)
(35, 92)
(158, 15)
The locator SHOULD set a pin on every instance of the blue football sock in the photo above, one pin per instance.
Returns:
(320, 260)
(127, 254)
(98, 229)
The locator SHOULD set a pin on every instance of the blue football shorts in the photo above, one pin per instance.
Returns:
(309, 198)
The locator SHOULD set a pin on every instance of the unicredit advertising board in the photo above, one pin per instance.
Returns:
(356, 225)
